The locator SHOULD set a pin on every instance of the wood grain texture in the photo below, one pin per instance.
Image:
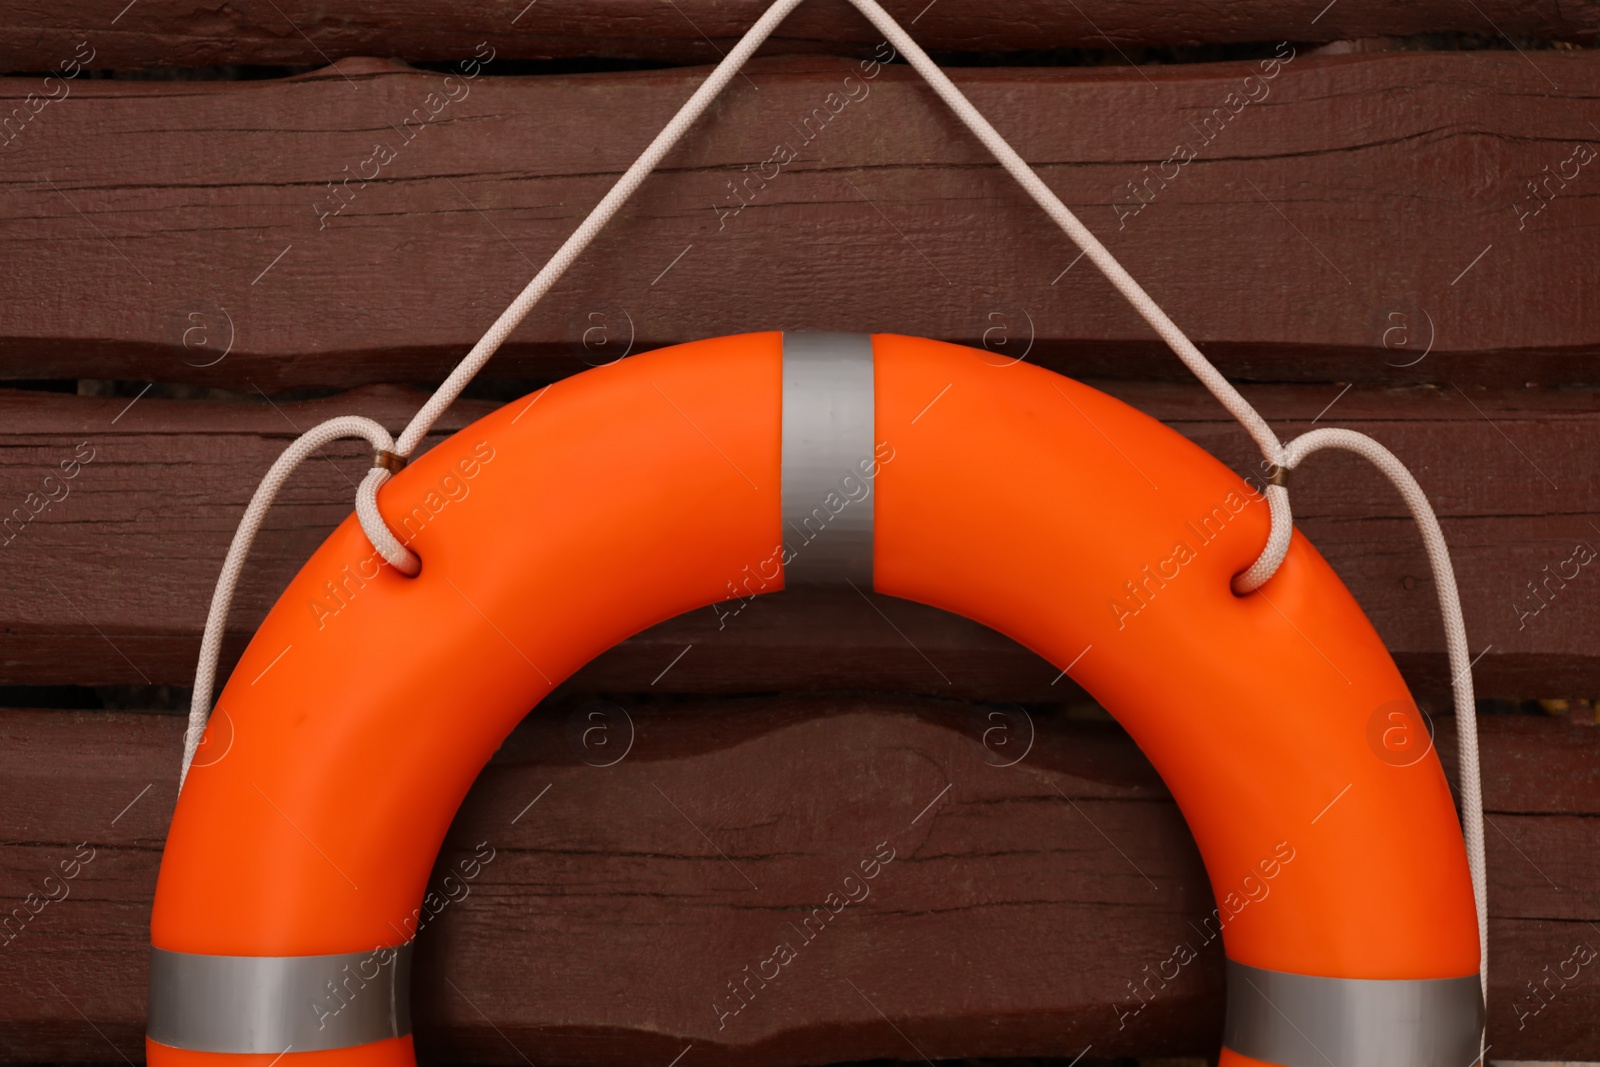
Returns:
(1369, 218)
(183, 33)
(110, 584)
(1008, 923)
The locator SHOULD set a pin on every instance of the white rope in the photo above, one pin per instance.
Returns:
(1062, 216)
(1277, 501)
(569, 251)
(1455, 637)
(378, 533)
(1281, 526)
(205, 674)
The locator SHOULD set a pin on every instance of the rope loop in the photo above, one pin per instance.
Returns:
(1460, 658)
(244, 537)
(383, 539)
(1276, 463)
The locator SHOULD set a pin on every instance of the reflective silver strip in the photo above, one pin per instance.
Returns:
(276, 1003)
(828, 465)
(1299, 1020)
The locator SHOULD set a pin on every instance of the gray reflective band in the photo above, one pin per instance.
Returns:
(275, 1003)
(828, 464)
(1299, 1020)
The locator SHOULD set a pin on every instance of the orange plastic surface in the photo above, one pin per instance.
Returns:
(394, 1052)
(1035, 505)
(550, 530)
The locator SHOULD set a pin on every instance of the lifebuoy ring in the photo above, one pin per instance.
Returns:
(367, 702)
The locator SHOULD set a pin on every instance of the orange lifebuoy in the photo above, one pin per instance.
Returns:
(367, 703)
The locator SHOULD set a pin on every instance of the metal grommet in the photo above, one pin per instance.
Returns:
(393, 462)
(1278, 476)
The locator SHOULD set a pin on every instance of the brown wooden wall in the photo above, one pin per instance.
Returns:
(222, 224)
(174, 32)
(1019, 903)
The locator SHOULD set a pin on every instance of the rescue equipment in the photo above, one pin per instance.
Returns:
(661, 484)
(1175, 592)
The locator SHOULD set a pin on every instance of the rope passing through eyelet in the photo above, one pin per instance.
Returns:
(244, 537)
(393, 462)
(378, 533)
(1281, 526)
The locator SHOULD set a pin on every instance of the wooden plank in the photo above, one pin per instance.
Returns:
(1369, 219)
(168, 32)
(605, 925)
(111, 584)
